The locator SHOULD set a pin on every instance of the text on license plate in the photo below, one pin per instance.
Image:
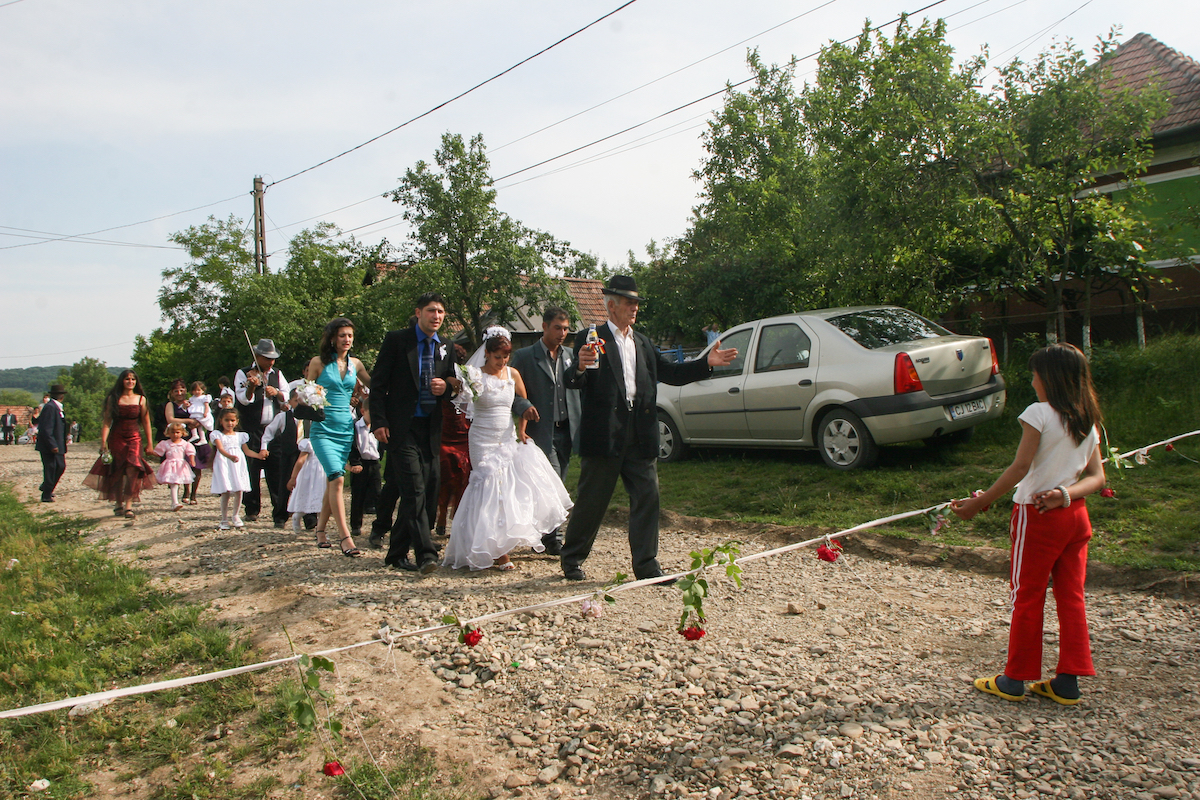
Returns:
(967, 409)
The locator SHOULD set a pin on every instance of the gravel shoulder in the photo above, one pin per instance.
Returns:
(815, 680)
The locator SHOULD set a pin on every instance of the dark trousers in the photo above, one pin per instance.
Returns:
(7, 435)
(597, 479)
(281, 495)
(389, 495)
(53, 467)
(364, 491)
(560, 459)
(252, 500)
(415, 468)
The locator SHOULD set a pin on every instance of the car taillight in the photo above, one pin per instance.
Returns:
(995, 361)
(906, 378)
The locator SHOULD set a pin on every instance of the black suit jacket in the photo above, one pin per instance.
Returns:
(52, 429)
(395, 385)
(536, 372)
(602, 392)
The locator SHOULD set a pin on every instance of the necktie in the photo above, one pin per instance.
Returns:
(428, 401)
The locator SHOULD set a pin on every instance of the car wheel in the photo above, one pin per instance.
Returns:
(670, 443)
(844, 441)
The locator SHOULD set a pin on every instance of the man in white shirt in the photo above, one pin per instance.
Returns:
(261, 393)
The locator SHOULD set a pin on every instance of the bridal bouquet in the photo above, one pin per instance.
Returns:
(472, 378)
(312, 401)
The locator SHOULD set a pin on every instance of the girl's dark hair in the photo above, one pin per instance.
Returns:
(203, 388)
(326, 350)
(222, 414)
(111, 399)
(497, 344)
(1067, 379)
(222, 381)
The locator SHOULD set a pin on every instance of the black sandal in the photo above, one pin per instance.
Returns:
(325, 545)
(353, 552)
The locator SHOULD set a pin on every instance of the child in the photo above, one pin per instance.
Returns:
(225, 402)
(282, 435)
(364, 472)
(223, 386)
(178, 461)
(307, 485)
(1056, 466)
(198, 408)
(230, 477)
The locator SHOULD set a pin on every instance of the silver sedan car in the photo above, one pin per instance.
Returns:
(841, 380)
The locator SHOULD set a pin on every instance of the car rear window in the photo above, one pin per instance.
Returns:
(881, 327)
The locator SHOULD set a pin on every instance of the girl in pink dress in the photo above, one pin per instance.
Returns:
(178, 459)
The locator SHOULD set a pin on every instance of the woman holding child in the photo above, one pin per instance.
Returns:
(338, 373)
(177, 410)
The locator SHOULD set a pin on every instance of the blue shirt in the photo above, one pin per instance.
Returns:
(426, 396)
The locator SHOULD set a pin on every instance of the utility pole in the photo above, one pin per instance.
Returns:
(260, 227)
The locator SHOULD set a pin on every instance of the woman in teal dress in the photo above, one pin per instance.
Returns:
(340, 373)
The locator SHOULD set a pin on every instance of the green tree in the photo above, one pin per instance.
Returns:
(87, 381)
(486, 264)
(1053, 126)
(18, 397)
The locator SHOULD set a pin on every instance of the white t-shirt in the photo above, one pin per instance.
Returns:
(1058, 459)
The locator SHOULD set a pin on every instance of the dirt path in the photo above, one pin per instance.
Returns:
(860, 690)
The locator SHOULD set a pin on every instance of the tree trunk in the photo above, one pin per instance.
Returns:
(1087, 316)
(1051, 312)
(1141, 322)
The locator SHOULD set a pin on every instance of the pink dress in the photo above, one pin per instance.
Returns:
(174, 467)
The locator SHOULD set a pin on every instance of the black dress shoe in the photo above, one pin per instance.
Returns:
(574, 574)
(376, 541)
(428, 564)
(553, 546)
(250, 518)
(403, 564)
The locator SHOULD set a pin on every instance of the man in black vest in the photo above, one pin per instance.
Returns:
(52, 441)
(261, 392)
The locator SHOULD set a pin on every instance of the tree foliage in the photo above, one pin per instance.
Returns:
(87, 381)
(485, 263)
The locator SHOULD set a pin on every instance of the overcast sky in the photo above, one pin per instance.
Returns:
(114, 113)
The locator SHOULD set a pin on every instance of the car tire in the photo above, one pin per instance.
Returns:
(951, 439)
(670, 442)
(844, 441)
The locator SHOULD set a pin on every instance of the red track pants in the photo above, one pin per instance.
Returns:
(1045, 545)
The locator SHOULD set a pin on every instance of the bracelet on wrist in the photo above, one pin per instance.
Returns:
(1066, 496)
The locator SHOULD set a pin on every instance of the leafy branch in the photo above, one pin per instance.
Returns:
(694, 586)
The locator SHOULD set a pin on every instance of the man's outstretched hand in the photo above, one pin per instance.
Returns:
(721, 358)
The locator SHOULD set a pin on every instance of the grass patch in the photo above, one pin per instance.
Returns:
(1154, 521)
(83, 622)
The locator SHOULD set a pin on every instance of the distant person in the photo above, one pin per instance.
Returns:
(711, 334)
(178, 459)
(177, 409)
(261, 392)
(544, 367)
(8, 427)
(52, 443)
(122, 472)
(1056, 466)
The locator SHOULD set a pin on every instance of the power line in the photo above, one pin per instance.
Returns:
(11, 3)
(70, 352)
(41, 237)
(127, 225)
(456, 97)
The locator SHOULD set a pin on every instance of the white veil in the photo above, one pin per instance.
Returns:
(473, 369)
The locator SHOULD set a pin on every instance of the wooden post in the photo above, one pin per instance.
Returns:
(260, 228)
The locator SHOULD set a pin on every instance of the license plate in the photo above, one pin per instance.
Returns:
(967, 409)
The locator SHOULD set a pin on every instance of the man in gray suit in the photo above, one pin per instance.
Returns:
(544, 366)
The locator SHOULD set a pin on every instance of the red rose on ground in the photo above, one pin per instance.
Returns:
(333, 769)
(472, 638)
(692, 633)
(1107, 492)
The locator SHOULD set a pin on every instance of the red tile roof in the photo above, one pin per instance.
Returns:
(1143, 59)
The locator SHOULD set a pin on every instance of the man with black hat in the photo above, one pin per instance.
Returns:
(52, 441)
(261, 391)
(618, 434)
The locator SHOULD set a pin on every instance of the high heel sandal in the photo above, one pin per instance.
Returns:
(353, 552)
(325, 545)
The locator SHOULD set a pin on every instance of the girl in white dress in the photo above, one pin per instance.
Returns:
(178, 459)
(308, 483)
(230, 477)
(514, 496)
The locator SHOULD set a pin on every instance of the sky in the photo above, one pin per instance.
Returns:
(128, 121)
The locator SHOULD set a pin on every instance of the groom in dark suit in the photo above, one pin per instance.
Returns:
(618, 434)
(544, 368)
(52, 441)
(412, 377)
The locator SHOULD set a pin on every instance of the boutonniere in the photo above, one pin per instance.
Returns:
(442, 351)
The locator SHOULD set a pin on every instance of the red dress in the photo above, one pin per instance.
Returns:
(455, 463)
(128, 474)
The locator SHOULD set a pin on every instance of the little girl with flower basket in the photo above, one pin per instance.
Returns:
(1056, 466)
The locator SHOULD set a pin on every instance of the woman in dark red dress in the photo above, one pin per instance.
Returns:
(125, 441)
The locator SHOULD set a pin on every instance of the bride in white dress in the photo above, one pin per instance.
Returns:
(514, 496)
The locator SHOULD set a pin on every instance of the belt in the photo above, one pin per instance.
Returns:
(562, 423)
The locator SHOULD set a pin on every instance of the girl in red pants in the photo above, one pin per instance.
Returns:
(1056, 466)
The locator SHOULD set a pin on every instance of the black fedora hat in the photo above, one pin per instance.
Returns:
(57, 389)
(623, 286)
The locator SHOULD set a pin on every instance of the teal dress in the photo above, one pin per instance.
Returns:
(331, 439)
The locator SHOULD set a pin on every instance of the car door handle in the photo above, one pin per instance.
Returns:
(734, 390)
(806, 382)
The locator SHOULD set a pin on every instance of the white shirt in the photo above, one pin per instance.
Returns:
(627, 346)
(368, 447)
(276, 427)
(1058, 459)
(246, 398)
